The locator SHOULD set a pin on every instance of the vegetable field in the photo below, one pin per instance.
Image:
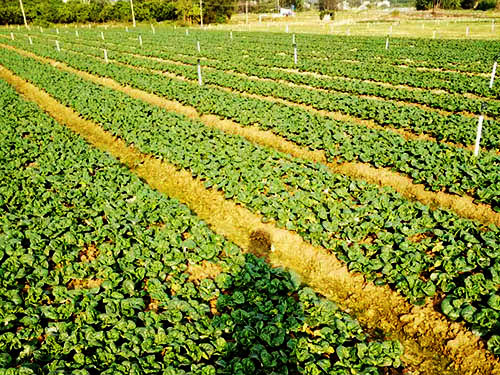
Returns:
(182, 201)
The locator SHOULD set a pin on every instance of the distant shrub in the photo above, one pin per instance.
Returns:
(468, 4)
(486, 4)
(451, 4)
(395, 13)
(423, 4)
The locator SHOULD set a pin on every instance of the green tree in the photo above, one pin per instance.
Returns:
(424, 4)
(468, 4)
(219, 11)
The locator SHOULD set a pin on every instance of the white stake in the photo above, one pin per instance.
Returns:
(12, 36)
(106, 56)
(76, 33)
(199, 73)
(478, 135)
(153, 29)
(102, 35)
(295, 54)
(231, 35)
(187, 31)
(57, 46)
(287, 28)
(467, 31)
(198, 46)
(41, 29)
(493, 74)
(126, 29)
(387, 42)
(57, 31)
(30, 40)
(140, 40)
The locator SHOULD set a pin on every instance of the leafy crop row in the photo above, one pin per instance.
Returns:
(96, 276)
(435, 165)
(272, 56)
(391, 240)
(468, 56)
(446, 101)
(454, 128)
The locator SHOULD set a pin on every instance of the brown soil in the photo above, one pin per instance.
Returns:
(203, 270)
(89, 253)
(85, 283)
(260, 243)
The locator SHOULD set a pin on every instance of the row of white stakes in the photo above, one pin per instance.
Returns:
(287, 29)
(295, 59)
(348, 31)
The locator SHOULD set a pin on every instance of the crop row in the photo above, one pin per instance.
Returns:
(96, 275)
(475, 56)
(446, 101)
(418, 251)
(437, 166)
(271, 56)
(453, 128)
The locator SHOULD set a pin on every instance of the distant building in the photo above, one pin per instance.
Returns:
(368, 4)
(286, 12)
(383, 4)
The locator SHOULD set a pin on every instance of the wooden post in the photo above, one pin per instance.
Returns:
(24, 14)
(201, 13)
(133, 15)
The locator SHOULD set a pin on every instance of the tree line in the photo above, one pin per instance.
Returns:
(42, 12)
